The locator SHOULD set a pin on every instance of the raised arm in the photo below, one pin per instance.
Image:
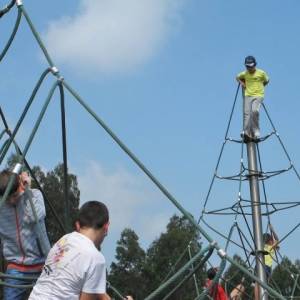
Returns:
(274, 236)
(273, 233)
(38, 203)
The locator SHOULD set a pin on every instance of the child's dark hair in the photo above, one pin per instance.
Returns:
(4, 179)
(93, 214)
(267, 238)
(211, 273)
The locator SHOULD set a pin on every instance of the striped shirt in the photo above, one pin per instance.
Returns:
(18, 230)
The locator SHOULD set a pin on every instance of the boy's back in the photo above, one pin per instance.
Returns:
(73, 265)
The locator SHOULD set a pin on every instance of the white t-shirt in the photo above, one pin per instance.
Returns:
(73, 265)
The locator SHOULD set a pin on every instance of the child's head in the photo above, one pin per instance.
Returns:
(16, 190)
(267, 238)
(211, 273)
(93, 221)
(250, 63)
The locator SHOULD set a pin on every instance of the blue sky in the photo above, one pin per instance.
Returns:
(161, 75)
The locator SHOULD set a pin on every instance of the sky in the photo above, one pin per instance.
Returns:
(161, 74)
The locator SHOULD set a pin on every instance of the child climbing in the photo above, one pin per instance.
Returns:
(253, 81)
(270, 246)
(215, 290)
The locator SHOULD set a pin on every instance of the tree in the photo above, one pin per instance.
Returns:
(127, 271)
(139, 273)
(163, 255)
(52, 184)
(233, 277)
(284, 277)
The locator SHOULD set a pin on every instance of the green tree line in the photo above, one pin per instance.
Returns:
(138, 272)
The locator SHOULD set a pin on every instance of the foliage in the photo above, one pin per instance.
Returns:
(284, 277)
(160, 261)
(52, 184)
(233, 277)
(128, 270)
(165, 251)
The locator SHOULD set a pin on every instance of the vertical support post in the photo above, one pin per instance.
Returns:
(65, 158)
(256, 218)
(194, 275)
(295, 286)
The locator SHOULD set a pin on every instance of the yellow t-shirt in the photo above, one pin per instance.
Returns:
(255, 83)
(269, 257)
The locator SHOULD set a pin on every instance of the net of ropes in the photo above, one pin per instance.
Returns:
(215, 242)
(240, 234)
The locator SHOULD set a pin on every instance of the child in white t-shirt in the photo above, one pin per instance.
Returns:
(75, 268)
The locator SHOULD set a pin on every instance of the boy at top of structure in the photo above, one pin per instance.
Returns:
(23, 249)
(253, 81)
(216, 291)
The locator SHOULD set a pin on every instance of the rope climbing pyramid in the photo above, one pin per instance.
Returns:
(240, 211)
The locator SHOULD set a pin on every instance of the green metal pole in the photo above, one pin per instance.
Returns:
(194, 275)
(67, 207)
(2, 133)
(295, 285)
(3, 146)
(18, 166)
(118, 294)
(36, 35)
(190, 274)
(12, 36)
(21, 119)
(41, 115)
(178, 274)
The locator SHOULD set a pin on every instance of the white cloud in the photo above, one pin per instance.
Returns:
(128, 198)
(132, 203)
(152, 226)
(112, 35)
